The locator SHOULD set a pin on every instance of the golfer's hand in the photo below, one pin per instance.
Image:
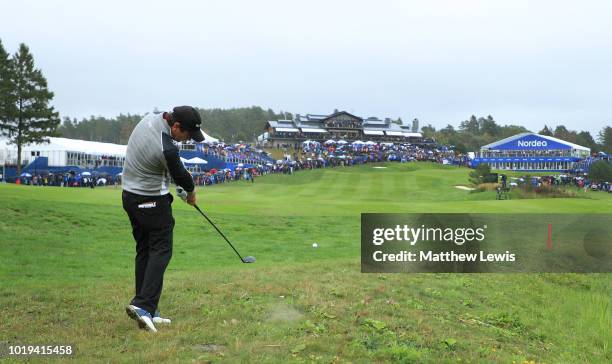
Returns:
(180, 192)
(191, 198)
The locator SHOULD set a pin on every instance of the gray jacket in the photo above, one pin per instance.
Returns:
(152, 158)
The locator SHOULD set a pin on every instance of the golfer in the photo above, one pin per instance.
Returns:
(151, 159)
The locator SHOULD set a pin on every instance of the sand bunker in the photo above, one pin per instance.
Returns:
(465, 188)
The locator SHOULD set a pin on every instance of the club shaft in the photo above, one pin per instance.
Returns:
(219, 231)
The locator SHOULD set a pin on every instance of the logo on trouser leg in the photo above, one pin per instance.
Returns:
(147, 205)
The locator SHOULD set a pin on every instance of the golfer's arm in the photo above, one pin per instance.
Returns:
(178, 172)
(173, 161)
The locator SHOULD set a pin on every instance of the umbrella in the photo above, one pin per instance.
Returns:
(240, 164)
(269, 164)
(24, 174)
(369, 142)
(342, 142)
(101, 181)
(213, 171)
(331, 141)
(357, 142)
(85, 173)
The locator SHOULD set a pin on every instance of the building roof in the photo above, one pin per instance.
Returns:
(280, 123)
(337, 113)
(507, 143)
(76, 145)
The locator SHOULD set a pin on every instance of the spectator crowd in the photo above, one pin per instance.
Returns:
(248, 163)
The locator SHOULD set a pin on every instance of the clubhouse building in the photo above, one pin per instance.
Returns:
(531, 152)
(339, 125)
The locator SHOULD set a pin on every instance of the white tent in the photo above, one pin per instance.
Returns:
(208, 138)
(196, 160)
(64, 151)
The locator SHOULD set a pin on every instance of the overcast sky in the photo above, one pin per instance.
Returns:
(524, 62)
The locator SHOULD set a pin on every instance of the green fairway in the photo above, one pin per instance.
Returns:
(67, 273)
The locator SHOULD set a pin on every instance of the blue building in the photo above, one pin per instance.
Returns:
(531, 152)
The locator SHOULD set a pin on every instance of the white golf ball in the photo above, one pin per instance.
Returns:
(315, 245)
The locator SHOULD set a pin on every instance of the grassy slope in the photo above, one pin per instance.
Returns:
(67, 260)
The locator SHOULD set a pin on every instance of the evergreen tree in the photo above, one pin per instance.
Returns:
(32, 119)
(470, 126)
(605, 139)
(7, 93)
(562, 133)
(585, 139)
(546, 131)
(510, 130)
(488, 126)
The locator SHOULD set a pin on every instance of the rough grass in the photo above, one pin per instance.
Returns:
(67, 266)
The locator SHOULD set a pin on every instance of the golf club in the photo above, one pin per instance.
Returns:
(248, 259)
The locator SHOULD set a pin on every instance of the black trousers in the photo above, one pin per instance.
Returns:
(152, 226)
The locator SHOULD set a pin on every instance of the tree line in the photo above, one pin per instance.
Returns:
(475, 132)
(231, 125)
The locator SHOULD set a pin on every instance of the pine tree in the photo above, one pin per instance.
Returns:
(605, 139)
(585, 139)
(7, 92)
(470, 126)
(32, 119)
(546, 131)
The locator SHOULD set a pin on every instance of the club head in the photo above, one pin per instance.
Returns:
(249, 259)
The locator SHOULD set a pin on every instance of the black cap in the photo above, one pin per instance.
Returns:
(190, 120)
